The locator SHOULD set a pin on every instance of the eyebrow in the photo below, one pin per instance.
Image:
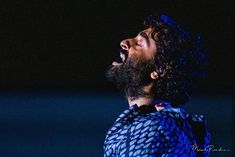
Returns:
(144, 35)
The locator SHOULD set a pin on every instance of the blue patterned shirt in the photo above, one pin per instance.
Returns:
(146, 132)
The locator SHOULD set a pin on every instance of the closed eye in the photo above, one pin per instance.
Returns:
(138, 44)
(144, 36)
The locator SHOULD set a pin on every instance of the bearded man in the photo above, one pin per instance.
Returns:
(156, 72)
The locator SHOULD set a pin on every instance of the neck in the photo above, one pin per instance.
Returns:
(140, 101)
(144, 100)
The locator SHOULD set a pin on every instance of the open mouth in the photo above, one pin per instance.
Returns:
(122, 58)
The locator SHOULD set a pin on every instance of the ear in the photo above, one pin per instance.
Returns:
(154, 75)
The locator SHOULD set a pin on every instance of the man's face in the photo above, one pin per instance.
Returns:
(137, 55)
(139, 49)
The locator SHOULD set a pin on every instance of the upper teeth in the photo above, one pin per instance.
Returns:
(122, 57)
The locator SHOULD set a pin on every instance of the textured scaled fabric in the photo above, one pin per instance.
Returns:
(146, 132)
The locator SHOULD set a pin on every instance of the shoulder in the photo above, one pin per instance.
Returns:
(177, 124)
(177, 117)
(174, 121)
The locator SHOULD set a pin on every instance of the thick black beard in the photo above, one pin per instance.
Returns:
(131, 77)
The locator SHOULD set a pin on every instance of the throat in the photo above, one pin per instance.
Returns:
(142, 100)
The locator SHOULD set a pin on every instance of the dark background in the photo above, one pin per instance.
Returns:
(55, 100)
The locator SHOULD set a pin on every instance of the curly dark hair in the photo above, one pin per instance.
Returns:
(180, 59)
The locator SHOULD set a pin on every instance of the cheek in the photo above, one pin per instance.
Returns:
(142, 54)
(150, 53)
(146, 54)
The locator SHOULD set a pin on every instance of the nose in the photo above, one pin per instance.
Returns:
(125, 44)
